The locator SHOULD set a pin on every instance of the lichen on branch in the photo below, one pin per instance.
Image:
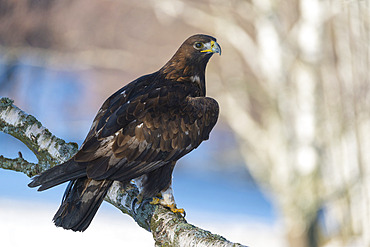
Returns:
(18, 164)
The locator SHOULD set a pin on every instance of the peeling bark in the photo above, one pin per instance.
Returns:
(168, 228)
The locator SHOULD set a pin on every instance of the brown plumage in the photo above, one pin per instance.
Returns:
(141, 130)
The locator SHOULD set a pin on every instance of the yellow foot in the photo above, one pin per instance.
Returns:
(172, 206)
(178, 210)
(155, 201)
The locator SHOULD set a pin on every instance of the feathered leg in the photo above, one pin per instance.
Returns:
(158, 183)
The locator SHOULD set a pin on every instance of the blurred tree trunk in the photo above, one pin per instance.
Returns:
(306, 127)
(293, 84)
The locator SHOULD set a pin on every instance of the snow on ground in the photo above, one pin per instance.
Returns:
(25, 223)
(29, 224)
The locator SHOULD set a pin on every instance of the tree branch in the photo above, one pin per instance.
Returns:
(168, 228)
(18, 164)
(48, 149)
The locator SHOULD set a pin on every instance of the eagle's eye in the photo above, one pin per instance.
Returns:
(198, 45)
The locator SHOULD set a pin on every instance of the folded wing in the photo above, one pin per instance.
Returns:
(146, 133)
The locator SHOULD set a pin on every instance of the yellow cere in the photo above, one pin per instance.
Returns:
(210, 50)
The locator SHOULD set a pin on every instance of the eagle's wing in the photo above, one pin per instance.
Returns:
(115, 101)
(147, 132)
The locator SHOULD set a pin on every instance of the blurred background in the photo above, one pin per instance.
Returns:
(288, 162)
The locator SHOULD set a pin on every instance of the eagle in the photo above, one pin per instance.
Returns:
(139, 133)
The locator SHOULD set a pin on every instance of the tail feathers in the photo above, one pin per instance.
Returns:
(59, 174)
(80, 203)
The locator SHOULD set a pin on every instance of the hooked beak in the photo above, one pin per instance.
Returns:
(212, 47)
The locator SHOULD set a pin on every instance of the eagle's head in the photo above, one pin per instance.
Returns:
(191, 58)
(201, 44)
(199, 48)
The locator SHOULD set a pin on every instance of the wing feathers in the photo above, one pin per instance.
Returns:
(147, 131)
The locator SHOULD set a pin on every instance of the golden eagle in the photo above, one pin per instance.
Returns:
(139, 132)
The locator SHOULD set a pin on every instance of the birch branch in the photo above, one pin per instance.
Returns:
(168, 228)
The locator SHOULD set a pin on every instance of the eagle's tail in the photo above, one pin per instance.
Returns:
(59, 174)
(80, 203)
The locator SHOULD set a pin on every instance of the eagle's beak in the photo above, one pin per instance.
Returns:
(212, 47)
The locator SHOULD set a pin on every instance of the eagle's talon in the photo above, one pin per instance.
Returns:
(155, 201)
(179, 211)
(137, 203)
(176, 210)
(134, 205)
(139, 198)
(172, 206)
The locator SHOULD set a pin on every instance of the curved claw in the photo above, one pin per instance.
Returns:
(137, 203)
(179, 210)
(133, 205)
